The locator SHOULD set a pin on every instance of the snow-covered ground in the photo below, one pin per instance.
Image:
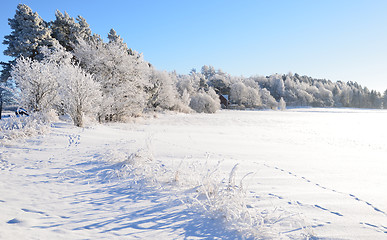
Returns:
(318, 173)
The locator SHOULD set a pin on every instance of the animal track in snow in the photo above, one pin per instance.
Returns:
(5, 165)
(34, 211)
(381, 228)
(273, 195)
(325, 209)
(369, 204)
(316, 206)
(330, 189)
(74, 140)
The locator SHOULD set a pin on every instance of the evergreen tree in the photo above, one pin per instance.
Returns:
(5, 71)
(385, 99)
(1, 100)
(4, 76)
(113, 37)
(29, 33)
(84, 30)
(67, 31)
(208, 71)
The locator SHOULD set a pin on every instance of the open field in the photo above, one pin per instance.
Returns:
(318, 173)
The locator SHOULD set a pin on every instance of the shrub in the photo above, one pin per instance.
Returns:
(25, 126)
(205, 102)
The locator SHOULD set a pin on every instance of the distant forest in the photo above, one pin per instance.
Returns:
(61, 65)
(295, 90)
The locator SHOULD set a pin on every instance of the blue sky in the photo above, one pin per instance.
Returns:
(333, 39)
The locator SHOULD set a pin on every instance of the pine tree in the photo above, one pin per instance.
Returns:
(385, 99)
(113, 37)
(5, 71)
(4, 76)
(29, 33)
(67, 31)
(1, 101)
(84, 30)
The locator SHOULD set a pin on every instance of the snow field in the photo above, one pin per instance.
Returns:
(93, 183)
(299, 174)
(327, 165)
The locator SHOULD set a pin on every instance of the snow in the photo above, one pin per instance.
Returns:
(319, 172)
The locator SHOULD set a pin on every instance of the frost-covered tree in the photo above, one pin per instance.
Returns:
(268, 100)
(2, 90)
(188, 83)
(281, 104)
(384, 99)
(66, 30)
(208, 71)
(249, 82)
(84, 31)
(365, 101)
(58, 55)
(205, 102)
(29, 33)
(323, 97)
(5, 71)
(123, 77)
(375, 99)
(238, 92)
(114, 37)
(164, 94)
(245, 96)
(346, 95)
(80, 93)
(336, 92)
(277, 86)
(194, 91)
(253, 98)
(219, 80)
(356, 99)
(7, 89)
(37, 82)
(3, 82)
(56, 82)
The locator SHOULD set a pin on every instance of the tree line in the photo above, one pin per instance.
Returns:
(295, 90)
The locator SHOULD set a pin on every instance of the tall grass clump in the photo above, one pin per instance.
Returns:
(203, 188)
(225, 198)
(21, 127)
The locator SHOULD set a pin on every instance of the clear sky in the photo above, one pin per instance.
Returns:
(333, 39)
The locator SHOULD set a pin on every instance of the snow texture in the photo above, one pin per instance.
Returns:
(304, 173)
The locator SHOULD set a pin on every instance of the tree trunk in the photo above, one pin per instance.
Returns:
(1, 102)
(79, 118)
